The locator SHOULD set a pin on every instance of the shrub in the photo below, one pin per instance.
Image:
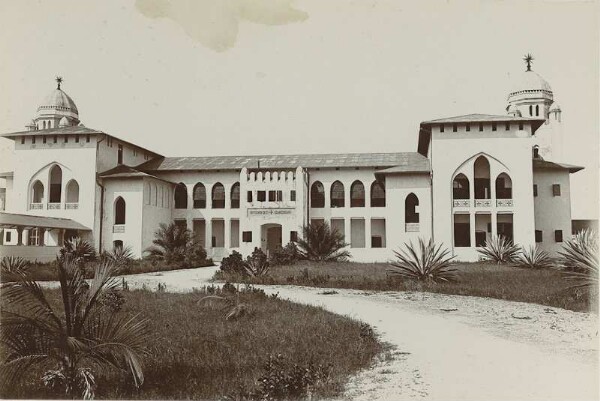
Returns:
(579, 259)
(533, 258)
(285, 256)
(256, 264)
(321, 243)
(427, 262)
(78, 250)
(175, 245)
(121, 257)
(499, 249)
(13, 265)
(234, 263)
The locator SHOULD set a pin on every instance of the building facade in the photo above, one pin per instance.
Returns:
(472, 177)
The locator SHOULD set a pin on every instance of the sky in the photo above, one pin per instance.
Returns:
(227, 77)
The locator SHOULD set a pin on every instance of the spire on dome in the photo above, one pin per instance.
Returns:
(528, 59)
(59, 80)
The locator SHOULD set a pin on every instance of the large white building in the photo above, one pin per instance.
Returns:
(472, 177)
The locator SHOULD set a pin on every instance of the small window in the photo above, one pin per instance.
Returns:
(247, 236)
(468, 127)
(507, 127)
(272, 196)
(530, 110)
(537, 110)
(556, 189)
(376, 242)
(293, 195)
(454, 128)
(558, 236)
(535, 190)
(55, 139)
(44, 139)
(8, 236)
(87, 138)
(442, 128)
(66, 139)
(521, 126)
(294, 236)
(22, 140)
(480, 127)
(261, 196)
(33, 140)
(249, 196)
(538, 236)
(120, 154)
(536, 152)
(76, 138)
(494, 126)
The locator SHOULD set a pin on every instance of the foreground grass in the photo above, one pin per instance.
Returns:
(197, 354)
(544, 286)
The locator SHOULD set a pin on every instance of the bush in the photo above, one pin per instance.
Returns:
(321, 243)
(234, 263)
(174, 245)
(285, 256)
(121, 257)
(78, 250)
(499, 249)
(533, 258)
(427, 262)
(579, 259)
(13, 265)
(256, 264)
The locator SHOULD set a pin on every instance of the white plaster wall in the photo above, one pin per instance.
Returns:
(154, 211)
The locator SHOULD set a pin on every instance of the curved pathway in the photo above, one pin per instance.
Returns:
(451, 347)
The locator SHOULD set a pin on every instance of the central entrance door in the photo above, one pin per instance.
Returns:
(270, 237)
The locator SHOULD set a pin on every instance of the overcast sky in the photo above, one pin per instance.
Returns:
(226, 77)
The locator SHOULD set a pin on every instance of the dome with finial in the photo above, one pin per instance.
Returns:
(530, 85)
(58, 104)
(513, 110)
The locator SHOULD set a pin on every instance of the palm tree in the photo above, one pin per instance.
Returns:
(321, 243)
(170, 243)
(74, 342)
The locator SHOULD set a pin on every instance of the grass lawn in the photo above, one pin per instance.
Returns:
(196, 353)
(545, 286)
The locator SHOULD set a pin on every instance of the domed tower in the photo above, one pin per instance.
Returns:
(531, 96)
(57, 110)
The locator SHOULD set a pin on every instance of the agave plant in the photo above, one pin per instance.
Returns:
(427, 261)
(74, 343)
(499, 249)
(256, 264)
(579, 259)
(321, 243)
(13, 265)
(533, 258)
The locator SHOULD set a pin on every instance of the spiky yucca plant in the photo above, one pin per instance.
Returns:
(71, 343)
(499, 249)
(321, 243)
(13, 265)
(426, 261)
(579, 259)
(256, 264)
(533, 258)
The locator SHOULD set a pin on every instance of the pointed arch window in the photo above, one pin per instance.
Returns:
(481, 172)
(235, 196)
(181, 200)
(337, 194)
(119, 211)
(503, 186)
(460, 187)
(72, 192)
(357, 194)
(537, 109)
(411, 215)
(55, 184)
(218, 196)
(199, 196)
(317, 195)
(37, 192)
(378, 194)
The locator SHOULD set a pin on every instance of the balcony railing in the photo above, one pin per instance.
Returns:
(461, 202)
(36, 206)
(119, 228)
(53, 206)
(483, 203)
(72, 206)
(504, 202)
(412, 227)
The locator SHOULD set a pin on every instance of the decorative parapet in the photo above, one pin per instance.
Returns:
(461, 203)
(36, 206)
(483, 203)
(504, 203)
(71, 206)
(119, 228)
(412, 227)
(53, 206)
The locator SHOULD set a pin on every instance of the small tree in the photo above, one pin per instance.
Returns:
(174, 244)
(321, 243)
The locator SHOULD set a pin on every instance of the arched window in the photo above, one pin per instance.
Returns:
(482, 178)
(55, 184)
(218, 196)
(119, 211)
(410, 208)
(147, 193)
(235, 196)
(503, 187)
(199, 196)
(537, 109)
(530, 110)
(337, 194)
(460, 187)
(72, 192)
(536, 152)
(118, 244)
(181, 200)
(37, 192)
(357, 194)
(378, 194)
(317, 195)
(155, 198)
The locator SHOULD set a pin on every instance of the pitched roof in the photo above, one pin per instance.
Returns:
(24, 220)
(123, 171)
(416, 164)
(481, 118)
(281, 161)
(540, 164)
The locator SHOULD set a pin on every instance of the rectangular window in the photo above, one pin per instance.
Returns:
(521, 126)
(55, 138)
(293, 195)
(120, 154)
(442, 128)
(279, 196)
(247, 236)
(66, 139)
(558, 236)
(87, 138)
(507, 127)
(271, 196)
(76, 138)
(22, 140)
(294, 236)
(8, 236)
(468, 127)
(44, 139)
(556, 189)
(357, 233)
(494, 126)
(249, 196)
(480, 127)
(261, 196)
(535, 190)
(462, 230)
(454, 128)
(33, 140)
(538, 236)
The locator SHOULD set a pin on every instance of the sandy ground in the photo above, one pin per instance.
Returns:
(451, 347)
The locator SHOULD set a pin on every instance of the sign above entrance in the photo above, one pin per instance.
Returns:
(265, 212)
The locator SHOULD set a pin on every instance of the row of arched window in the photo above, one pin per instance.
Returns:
(157, 195)
(55, 189)
(482, 183)
(338, 197)
(199, 196)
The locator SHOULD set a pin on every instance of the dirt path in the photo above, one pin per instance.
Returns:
(451, 347)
